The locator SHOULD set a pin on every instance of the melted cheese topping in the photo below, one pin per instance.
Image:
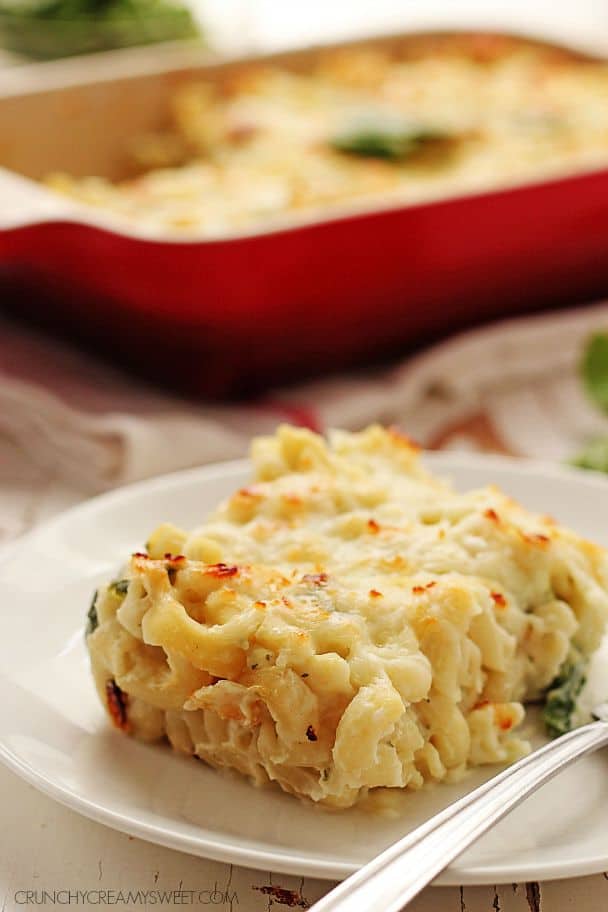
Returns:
(347, 621)
(254, 149)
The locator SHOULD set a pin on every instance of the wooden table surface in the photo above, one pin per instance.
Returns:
(44, 846)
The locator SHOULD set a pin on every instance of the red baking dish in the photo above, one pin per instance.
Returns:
(234, 315)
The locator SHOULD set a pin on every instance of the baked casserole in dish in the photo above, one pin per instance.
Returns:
(362, 125)
(250, 222)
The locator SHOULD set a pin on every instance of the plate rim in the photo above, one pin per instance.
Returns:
(227, 849)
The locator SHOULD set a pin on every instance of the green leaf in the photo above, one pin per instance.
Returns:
(119, 587)
(593, 456)
(393, 142)
(594, 369)
(562, 695)
(92, 619)
(55, 28)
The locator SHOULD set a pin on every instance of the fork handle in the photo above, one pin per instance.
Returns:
(395, 877)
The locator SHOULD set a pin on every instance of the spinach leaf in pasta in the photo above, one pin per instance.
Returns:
(561, 698)
(387, 140)
(119, 587)
(92, 619)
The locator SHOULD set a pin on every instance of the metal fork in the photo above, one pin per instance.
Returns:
(392, 879)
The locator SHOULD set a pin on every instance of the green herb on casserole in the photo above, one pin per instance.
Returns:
(562, 696)
(389, 140)
(119, 587)
(92, 619)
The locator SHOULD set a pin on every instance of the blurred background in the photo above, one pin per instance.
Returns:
(271, 24)
(245, 25)
(206, 228)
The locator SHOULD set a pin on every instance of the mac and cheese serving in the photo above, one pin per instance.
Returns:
(265, 145)
(346, 622)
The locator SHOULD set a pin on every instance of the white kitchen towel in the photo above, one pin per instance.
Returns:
(513, 386)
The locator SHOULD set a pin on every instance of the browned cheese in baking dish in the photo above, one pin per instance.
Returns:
(263, 144)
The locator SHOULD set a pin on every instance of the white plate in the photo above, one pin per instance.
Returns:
(54, 734)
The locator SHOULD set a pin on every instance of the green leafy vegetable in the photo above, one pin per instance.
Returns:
(593, 456)
(561, 698)
(594, 372)
(393, 142)
(119, 587)
(92, 619)
(594, 368)
(59, 28)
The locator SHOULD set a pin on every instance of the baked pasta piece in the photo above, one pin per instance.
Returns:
(346, 622)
